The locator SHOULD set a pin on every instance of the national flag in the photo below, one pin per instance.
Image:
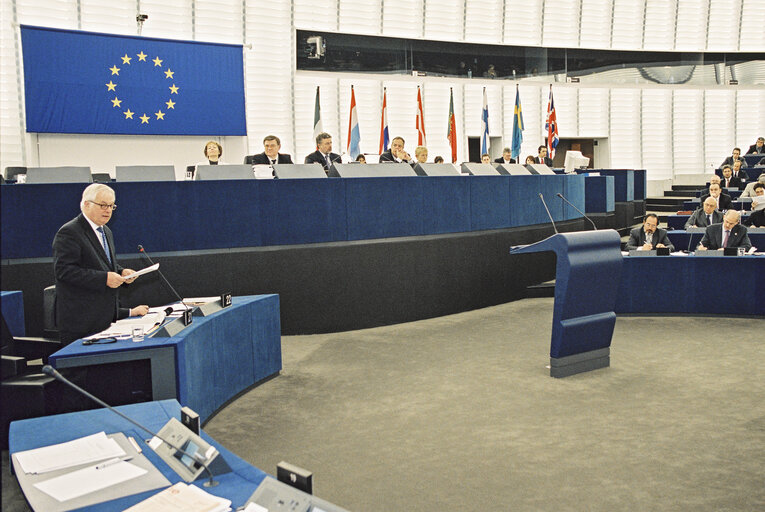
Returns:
(384, 136)
(354, 136)
(317, 128)
(485, 142)
(551, 126)
(88, 82)
(517, 126)
(420, 121)
(451, 133)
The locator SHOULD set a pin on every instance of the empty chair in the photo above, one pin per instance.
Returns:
(145, 173)
(67, 174)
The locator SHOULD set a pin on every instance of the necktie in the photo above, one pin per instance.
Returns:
(329, 162)
(709, 220)
(725, 238)
(273, 162)
(104, 244)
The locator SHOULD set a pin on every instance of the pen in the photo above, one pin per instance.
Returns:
(111, 462)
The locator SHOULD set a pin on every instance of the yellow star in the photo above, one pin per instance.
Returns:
(115, 70)
(128, 114)
(144, 119)
(141, 56)
(170, 104)
(116, 102)
(173, 89)
(126, 59)
(157, 61)
(160, 115)
(110, 86)
(169, 74)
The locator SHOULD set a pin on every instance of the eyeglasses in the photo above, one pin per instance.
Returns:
(105, 206)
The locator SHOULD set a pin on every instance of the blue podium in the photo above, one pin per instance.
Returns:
(588, 270)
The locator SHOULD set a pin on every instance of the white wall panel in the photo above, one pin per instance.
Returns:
(659, 25)
(483, 21)
(566, 109)
(11, 130)
(220, 21)
(561, 23)
(169, 19)
(595, 28)
(719, 137)
(691, 25)
(752, 37)
(750, 117)
(402, 18)
(305, 97)
(656, 132)
(402, 112)
(593, 112)
(625, 122)
(688, 131)
(443, 19)
(523, 22)
(360, 16)
(436, 106)
(108, 16)
(47, 13)
(627, 28)
(724, 18)
(533, 116)
(312, 14)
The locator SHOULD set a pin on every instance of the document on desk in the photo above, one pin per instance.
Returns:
(125, 326)
(182, 497)
(91, 479)
(72, 453)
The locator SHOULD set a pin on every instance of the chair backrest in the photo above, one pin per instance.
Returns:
(11, 172)
(69, 174)
(50, 326)
(101, 177)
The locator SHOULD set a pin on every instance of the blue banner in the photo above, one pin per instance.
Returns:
(85, 82)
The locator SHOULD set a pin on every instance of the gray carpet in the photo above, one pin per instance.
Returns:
(459, 413)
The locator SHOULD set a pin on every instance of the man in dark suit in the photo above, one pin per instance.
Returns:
(87, 274)
(271, 155)
(758, 147)
(728, 234)
(323, 154)
(740, 173)
(705, 216)
(649, 236)
(728, 180)
(542, 157)
(506, 158)
(724, 201)
(396, 153)
(733, 158)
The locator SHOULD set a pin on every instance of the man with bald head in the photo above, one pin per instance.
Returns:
(724, 201)
(705, 216)
(728, 234)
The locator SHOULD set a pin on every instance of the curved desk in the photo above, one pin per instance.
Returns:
(207, 363)
(683, 284)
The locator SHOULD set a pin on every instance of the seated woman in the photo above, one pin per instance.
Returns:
(421, 154)
(530, 160)
(361, 158)
(213, 152)
(438, 159)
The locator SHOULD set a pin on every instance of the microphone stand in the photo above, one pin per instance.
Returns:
(187, 313)
(578, 210)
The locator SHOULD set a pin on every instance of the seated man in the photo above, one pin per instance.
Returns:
(728, 180)
(731, 159)
(757, 218)
(506, 158)
(323, 154)
(705, 216)
(740, 173)
(485, 158)
(728, 234)
(271, 155)
(649, 236)
(396, 152)
(712, 179)
(758, 147)
(749, 190)
(724, 202)
(542, 157)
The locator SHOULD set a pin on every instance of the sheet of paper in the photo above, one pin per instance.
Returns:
(94, 478)
(182, 497)
(254, 507)
(144, 271)
(72, 453)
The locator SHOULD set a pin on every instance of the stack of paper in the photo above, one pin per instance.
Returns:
(182, 497)
(91, 479)
(125, 326)
(72, 453)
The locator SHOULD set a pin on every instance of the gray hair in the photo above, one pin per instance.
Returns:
(91, 192)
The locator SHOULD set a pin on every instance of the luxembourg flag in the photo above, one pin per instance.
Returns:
(384, 137)
(354, 136)
(485, 142)
(420, 120)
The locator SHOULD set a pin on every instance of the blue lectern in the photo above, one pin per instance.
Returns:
(589, 265)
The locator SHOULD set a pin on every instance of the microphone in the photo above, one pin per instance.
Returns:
(548, 213)
(52, 372)
(187, 312)
(578, 210)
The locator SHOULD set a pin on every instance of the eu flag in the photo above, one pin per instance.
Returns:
(85, 82)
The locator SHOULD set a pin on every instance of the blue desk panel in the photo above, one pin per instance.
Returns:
(187, 216)
(216, 357)
(12, 305)
(236, 486)
(624, 183)
(682, 284)
(599, 194)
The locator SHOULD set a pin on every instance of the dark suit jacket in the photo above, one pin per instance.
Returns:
(753, 149)
(738, 237)
(547, 162)
(262, 159)
(699, 218)
(387, 156)
(317, 158)
(729, 161)
(756, 219)
(501, 160)
(734, 183)
(637, 239)
(725, 202)
(742, 175)
(84, 304)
